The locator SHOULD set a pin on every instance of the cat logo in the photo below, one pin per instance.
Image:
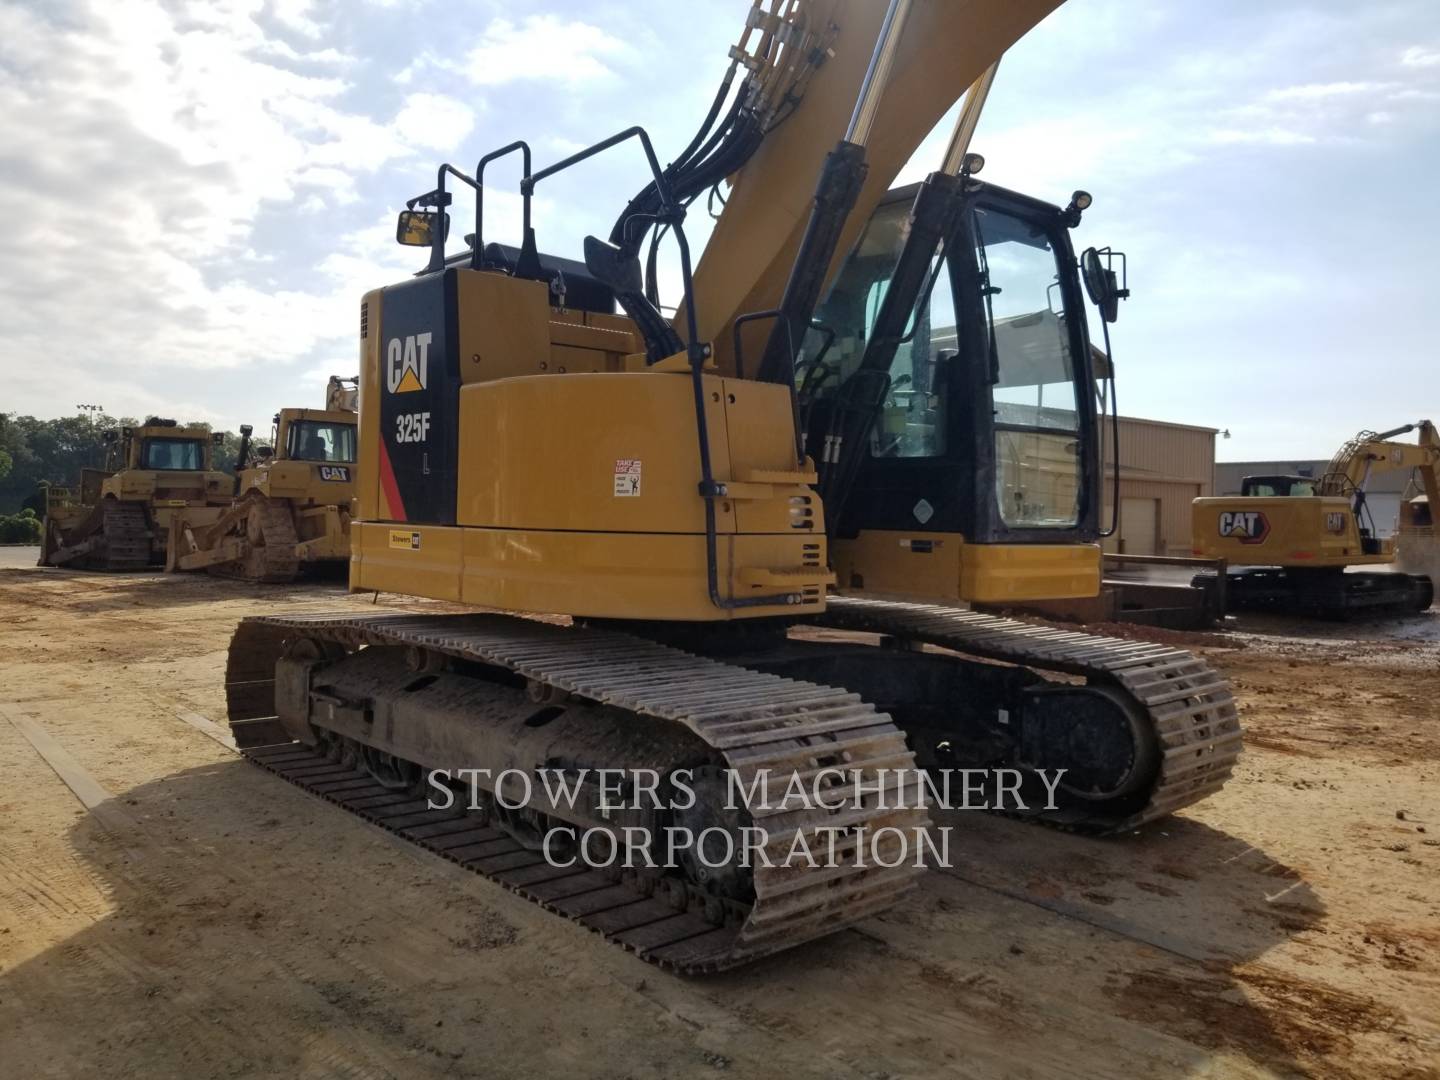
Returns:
(407, 363)
(1247, 526)
(404, 539)
(334, 472)
(1335, 522)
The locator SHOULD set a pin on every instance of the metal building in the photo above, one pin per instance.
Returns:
(1163, 467)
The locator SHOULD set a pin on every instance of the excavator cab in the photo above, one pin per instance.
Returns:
(1270, 486)
(980, 477)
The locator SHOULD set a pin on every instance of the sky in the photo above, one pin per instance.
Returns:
(197, 194)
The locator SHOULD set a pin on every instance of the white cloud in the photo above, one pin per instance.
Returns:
(1272, 136)
(318, 56)
(544, 47)
(1324, 91)
(1415, 56)
(143, 151)
(295, 15)
(434, 121)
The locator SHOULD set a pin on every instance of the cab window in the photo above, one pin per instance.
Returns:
(912, 419)
(176, 455)
(1033, 390)
(313, 440)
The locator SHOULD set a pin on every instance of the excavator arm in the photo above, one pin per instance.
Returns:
(1368, 453)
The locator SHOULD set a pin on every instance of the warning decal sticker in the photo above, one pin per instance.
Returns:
(627, 477)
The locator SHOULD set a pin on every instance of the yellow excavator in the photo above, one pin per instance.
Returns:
(292, 499)
(869, 408)
(1288, 541)
(120, 518)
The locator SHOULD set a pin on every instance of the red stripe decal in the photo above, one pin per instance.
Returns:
(389, 487)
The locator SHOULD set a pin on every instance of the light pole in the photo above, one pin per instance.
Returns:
(90, 412)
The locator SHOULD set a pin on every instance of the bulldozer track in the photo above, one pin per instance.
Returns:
(273, 560)
(750, 720)
(114, 536)
(1189, 705)
(127, 536)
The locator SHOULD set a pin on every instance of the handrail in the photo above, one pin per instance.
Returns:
(528, 263)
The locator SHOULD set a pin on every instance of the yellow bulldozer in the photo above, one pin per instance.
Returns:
(121, 516)
(1289, 541)
(869, 409)
(292, 499)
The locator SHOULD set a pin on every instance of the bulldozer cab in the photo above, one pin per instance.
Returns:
(169, 454)
(309, 435)
(312, 459)
(163, 446)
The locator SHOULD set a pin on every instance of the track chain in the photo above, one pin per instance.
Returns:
(1189, 704)
(127, 536)
(114, 535)
(273, 560)
(753, 721)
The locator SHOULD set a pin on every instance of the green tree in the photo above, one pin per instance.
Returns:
(21, 528)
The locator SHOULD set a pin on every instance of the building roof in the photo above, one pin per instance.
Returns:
(1168, 424)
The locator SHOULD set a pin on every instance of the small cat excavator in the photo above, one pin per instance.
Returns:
(1289, 541)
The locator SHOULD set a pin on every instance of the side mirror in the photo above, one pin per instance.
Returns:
(246, 429)
(218, 438)
(1101, 284)
(416, 228)
(110, 436)
(264, 453)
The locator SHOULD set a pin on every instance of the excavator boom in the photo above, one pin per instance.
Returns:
(1369, 453)
(943, 48)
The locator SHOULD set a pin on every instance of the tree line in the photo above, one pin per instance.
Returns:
(34, 452)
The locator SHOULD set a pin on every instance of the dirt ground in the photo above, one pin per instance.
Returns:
(203, 918)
